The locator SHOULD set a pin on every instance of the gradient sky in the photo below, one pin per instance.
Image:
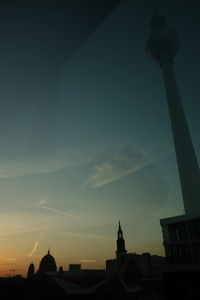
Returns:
(85, 138)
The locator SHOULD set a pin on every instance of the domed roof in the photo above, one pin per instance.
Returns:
(47, 263)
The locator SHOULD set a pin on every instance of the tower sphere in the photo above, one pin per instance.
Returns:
(163, 42)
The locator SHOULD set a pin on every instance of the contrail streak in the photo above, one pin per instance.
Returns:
(35, 245)
(57, 211)
(107, 172)
(34, 249)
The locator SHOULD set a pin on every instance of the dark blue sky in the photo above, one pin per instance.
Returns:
(84, 126)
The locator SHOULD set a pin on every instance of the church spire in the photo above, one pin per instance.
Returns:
(121, 251)
(120, 232)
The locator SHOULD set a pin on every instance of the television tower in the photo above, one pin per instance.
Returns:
(162, 46)
(181, 234)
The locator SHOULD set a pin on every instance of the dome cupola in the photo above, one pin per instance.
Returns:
(47, 263)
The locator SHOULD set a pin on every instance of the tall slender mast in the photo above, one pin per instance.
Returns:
(163, 45)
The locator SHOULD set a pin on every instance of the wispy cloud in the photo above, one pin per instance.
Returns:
(41, 203)
(87, 261)
(117, 165)
(50, 162)
(8, 261)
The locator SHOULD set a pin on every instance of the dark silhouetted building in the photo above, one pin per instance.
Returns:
(47, 264)
(134, 267)
(60, 270)
(121, 280)
(121, 251)
(31, 271)
(73, 267)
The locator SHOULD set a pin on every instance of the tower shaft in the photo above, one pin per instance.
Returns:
(181, 234)
(163, 45)
(186, 159)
